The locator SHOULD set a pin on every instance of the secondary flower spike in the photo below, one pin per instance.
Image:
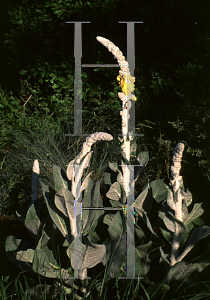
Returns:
(93, 138)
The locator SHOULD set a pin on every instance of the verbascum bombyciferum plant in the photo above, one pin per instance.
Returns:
(51, 220)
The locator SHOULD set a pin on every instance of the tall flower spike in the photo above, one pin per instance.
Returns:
(127, 85)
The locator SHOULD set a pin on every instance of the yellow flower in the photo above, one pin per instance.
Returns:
(133, 97)
(127, 85)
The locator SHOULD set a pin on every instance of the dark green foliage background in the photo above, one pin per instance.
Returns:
(172, 74)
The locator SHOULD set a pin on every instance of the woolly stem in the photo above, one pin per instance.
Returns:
(175, 183)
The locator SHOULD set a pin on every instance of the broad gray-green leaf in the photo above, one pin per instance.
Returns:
(142, 264)
(66, 243)
(196, 212)
(142, 261)
(32, 222)
(168, 235)
(186, 234)
(184, 210)
(85, 182)
(159, 190)
(186, 196)
(86, 202)
(139, 233)
(36, 217)
(107, 179)
(113, 166)
(94, 255)
(92, 236)
(196, 235)
(11, 246)
(70, 170)
(108, 219)
(43, 240)
(143, 250)
(164, 257)
(107, 243)
(75, 254)
(141, 160)
(64, 201)
(170, 199)
(171, 222)
(45, 264)
(143, 157)
(60, 178)
(52, 232)
(143, 202)
(59, 220)
(92, 198)
(117, 231)
(120, 177)
(198, 222)
(180, 271)
(146, 220)
(25, 256)
(114, 192)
